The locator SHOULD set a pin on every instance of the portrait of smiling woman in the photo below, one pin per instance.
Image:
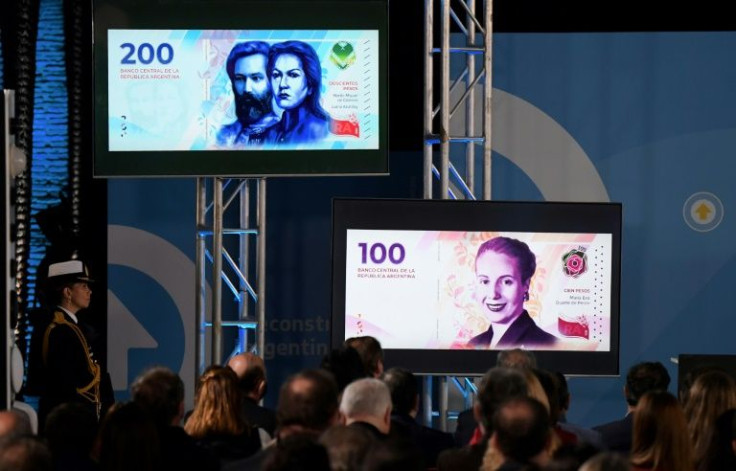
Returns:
(296, 79)
(503, 271)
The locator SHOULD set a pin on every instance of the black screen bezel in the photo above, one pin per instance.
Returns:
(223, 15)
(464, 215)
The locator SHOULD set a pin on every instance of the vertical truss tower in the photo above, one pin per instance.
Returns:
(463, 60)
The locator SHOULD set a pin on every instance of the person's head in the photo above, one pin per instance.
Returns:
(129, 440)
(549, 384)
(659, 437)
(307, 401)
(346, 446)
(563, 393)
(160, 392)
(71, 428)
(217, 405)
(404, 392)
(644, 377)
(606, 461)
(498, 385)
(367, 400)
(721, 452)
(14, 424)
(251, 372)
(298, 452)
(711, 394)
(70, 285)
(503, 271)
(516, 358)
(521, 429)
(296, 76)
(371, 353)
(25, 454)
(246, 67)
(345, 365)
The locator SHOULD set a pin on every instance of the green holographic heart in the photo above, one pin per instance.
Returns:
(342, 55)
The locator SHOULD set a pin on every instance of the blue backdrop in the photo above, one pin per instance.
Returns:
(645, 119)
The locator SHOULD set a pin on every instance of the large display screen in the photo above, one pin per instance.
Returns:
(274, 96)
(450, 283)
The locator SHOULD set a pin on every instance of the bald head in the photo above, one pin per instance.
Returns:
(14, 424)
(251, 372)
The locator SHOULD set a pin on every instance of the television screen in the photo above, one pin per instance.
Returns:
(444, 285)
(240, 88)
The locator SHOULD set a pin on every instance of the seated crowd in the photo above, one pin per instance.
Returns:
(350, 414)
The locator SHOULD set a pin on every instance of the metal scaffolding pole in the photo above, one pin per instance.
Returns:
(453, 183)
(236, 275)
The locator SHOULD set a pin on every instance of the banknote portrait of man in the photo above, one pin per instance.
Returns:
(246, 68)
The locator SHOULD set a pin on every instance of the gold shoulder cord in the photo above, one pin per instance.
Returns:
(91, 391)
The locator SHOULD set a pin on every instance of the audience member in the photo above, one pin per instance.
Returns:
(298, 453)
(721, 452)
(641, 378)
(70, 433)
(466, 430)
(516, 358)
(129, 440)
(366, 403)
(307, 406)
(371, 353)
(25, 454)
(14, 424)
(345, 365)
(160, 393)
(606, 461)
(346, 446)
(551, 387)
(521, 434)
(386, 456)
(251, 372)
(216, 422)
(711, 394)
(660, 439)
(584, 434)
(497, 385)
(571, 457)
(402, 385)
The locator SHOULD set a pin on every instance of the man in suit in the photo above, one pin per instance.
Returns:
(641, 378)
(498, 385)
(405, 399)
(251, 372)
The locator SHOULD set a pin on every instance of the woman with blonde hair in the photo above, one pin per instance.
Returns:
(217, 422)
(660, 441)
(711, 394)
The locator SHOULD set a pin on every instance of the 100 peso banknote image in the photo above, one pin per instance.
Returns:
(170, 90)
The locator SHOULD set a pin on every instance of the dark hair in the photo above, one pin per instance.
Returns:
(399, 455)
(345, 365)
(563, 392)
(525, 258)
(347, 446)
(370, 351)
(522, 428)
(71, 428)
(159, 391)
(516, 358)
(498, 385)
(312, 70)
(129, 440)
(551, 389)
(241, 50)
(25, 454)
(308, 399)
(403, 387)
(720, 455)
(298, 452)
(644, 377)
(660, 437)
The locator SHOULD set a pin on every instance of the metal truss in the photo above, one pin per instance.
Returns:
(468, 54)
(231, 219)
